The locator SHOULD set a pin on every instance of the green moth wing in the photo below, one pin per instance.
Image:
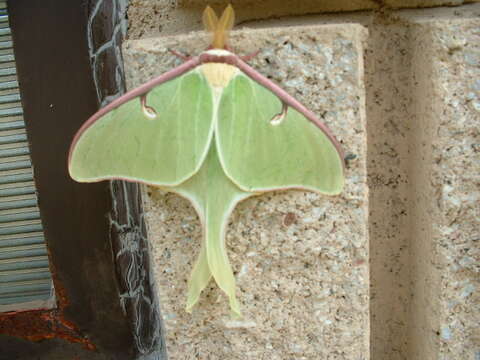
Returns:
(263, 145)
(162, 142)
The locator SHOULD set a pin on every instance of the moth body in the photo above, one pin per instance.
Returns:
(215, 131)
(218, 75)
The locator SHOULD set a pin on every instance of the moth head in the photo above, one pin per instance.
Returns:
(219, 28)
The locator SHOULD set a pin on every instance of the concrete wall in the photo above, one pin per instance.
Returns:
(155, 17)
(417, 87)
(445, 194)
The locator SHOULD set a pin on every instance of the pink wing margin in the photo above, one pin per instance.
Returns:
(139, 91)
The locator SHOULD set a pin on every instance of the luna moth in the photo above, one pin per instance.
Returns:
(216, 132)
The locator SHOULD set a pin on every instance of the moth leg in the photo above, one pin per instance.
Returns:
(148, 111)
(278, 118)
(180, 55)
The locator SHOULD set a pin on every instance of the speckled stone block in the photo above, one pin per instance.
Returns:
(155, 17)
(337, 5)
(445, 195)
(300, 258)
(399, 4)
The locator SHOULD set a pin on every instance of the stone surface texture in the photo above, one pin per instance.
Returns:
(301, 259)
(387, 81)
(400, 265)
(155, 17)
(446, 189)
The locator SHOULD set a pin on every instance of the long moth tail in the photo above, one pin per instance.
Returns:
(199, 279)
(217, 255)
(214, 196)
(213, 258)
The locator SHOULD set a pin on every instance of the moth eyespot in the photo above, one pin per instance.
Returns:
(148, 111)
(278, 118)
